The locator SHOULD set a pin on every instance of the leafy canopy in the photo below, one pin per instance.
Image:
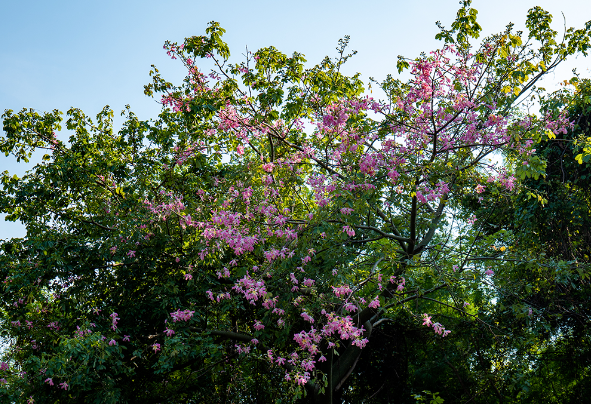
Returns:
(253, 240)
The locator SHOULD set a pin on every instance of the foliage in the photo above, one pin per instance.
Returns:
(550, 292)
(273, 232)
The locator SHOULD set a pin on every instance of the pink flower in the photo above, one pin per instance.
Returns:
(64, 386)
(258, 325)
(438, 328)
(375, 303)
(480, 188)
(188, 277)
(240, 150)
(126, 338)
(427, 320)
(3, 366)
(169, 332)
(350, 232)
(489, 272)
(182, 315)
(268, 167)
(420, 197)
(114, 320)
(131, 253)
(49, 380)
(112, 342)
(293, 278)
(400, 286)
(307, 317)
(302, 379)
(156, 347)
(346, 211)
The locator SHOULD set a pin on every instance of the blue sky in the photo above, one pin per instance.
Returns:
(88, 54)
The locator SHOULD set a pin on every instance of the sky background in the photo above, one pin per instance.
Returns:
(88, 54)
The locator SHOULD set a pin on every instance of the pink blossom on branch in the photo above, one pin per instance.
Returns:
(182, 315)
(374, 304)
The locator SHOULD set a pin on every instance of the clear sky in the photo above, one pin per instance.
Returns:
(88, 54)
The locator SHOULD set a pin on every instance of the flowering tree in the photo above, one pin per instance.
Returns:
(249, 241)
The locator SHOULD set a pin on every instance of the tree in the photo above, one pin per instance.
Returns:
(254, 240)
(546, 304)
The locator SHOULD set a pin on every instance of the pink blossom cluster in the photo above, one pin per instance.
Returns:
(163, 210)
(114, 320)
(184, 315)
(250, 288)
(430, 194)
(437, 327)
(342, 291)
(344, 327)
(401, 282)
(176, 103)
(184, 154)
(505, 180)
(242, 349)
(308, 341)
(81, 332)
(559, 125)
(53, 326)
